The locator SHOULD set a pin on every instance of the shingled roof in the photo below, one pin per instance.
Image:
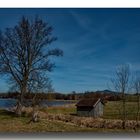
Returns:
(89, 102)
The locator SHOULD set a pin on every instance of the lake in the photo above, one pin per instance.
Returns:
(8, 103)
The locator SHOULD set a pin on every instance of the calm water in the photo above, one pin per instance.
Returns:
(8, 103)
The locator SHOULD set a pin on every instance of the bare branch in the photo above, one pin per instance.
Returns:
(25, 53)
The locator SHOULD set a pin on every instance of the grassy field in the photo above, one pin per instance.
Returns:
(61, 110)
(10, 123)
(112, 110)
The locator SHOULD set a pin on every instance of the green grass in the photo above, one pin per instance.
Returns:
(10, 123)
(113, 110)
(131, 98)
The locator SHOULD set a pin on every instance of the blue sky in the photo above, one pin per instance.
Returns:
(94, 41)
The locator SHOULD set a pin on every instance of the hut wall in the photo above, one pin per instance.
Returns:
(98, 110)
(85, 111)
(90, 111)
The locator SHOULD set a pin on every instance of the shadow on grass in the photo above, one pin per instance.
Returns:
(73, 114)
(7, 113)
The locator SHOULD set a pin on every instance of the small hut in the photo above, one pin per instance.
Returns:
(90, 107)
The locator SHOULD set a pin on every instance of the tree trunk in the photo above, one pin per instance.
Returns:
(138, 111)
(20, 102)
(18, 110)
(123, 124)
(35, 110)
(35, 115)
(124, 112)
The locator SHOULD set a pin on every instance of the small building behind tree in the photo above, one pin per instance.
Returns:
(90, 107)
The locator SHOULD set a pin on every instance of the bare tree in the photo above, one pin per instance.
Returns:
(137, 90)
(25, 54)
(121, 83)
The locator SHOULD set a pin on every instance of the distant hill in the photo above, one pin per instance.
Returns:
(105, 91)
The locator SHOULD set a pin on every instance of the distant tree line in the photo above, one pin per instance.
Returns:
(42, 96)
(111, 96)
